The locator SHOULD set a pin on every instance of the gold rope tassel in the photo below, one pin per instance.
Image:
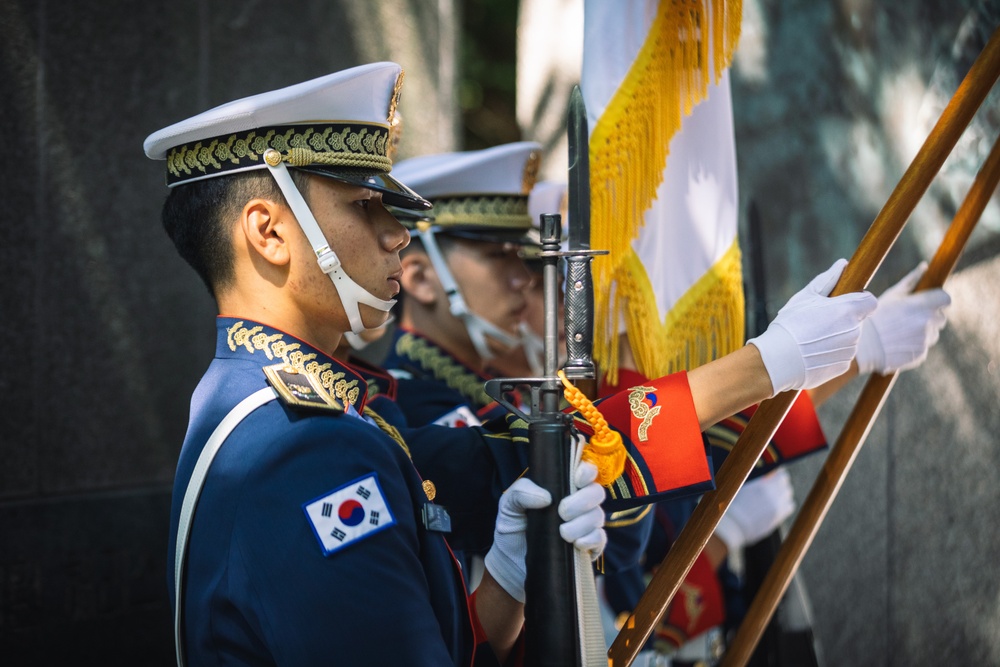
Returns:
(631, 140)
(605, 449)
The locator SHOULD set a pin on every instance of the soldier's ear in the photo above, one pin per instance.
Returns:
(419, 280)
(264, 225)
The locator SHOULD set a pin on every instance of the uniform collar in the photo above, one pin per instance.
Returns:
(265, 345)
(380, 383)
(433, 362)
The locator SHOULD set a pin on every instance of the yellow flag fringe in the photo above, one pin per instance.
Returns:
(628, 152)
(704, 324)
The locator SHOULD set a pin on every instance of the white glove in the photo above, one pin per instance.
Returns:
(759, 507)
(580, 511)
(903, 328)
(814, 337)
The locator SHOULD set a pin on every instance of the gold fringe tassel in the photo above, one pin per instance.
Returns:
(630, 142)
(704, 324)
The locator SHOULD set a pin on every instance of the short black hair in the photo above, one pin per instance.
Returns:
(197, 218)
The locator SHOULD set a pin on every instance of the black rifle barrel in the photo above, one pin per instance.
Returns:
(550, 616)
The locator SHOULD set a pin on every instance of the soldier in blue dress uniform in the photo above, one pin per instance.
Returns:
(310, 537)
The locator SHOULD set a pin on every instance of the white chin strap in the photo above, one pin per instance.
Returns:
(358, 343)
(351, 293)
(477, 327)
(534, 349)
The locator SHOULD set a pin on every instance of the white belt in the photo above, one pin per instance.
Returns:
(208, 452)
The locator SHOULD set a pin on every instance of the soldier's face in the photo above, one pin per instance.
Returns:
(366, 238)
(492, 278)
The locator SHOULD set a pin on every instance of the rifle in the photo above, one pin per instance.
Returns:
(551, 632)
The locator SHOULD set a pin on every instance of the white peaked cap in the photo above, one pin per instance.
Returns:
(483, 194)
(509, 169)
(548, 197)
(337, 125)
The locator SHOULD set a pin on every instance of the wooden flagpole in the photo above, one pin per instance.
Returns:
(862, 266)
(855, 431)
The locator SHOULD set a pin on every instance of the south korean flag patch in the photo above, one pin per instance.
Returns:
(460, 417)
(349, 513)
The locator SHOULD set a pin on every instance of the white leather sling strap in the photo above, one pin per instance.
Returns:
(208, 452)
(351, 293)
(477, 327)
(593, 649)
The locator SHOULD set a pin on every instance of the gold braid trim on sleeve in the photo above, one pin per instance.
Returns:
(388, 429)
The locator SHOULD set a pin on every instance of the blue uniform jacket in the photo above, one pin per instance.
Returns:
(265, 582)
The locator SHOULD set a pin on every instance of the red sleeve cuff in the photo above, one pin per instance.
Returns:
(660, 429)
(799, 434)
(698, 605)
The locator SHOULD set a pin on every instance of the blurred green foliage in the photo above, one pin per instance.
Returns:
(487, 73)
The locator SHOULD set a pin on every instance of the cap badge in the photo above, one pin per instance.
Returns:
(531, 166)
(394, 101)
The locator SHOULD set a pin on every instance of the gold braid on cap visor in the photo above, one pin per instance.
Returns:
(498, 211)
(355, 145)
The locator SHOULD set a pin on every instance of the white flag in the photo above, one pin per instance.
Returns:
(663, 180)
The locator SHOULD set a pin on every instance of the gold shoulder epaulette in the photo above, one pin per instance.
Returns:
(300, 388)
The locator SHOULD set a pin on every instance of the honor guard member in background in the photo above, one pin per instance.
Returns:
(464, 285)
(465, 289)
(464, 281)
(462, 304)
(526, 360)
(309, 537)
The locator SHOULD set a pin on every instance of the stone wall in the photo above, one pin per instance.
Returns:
(108, 329)
(832, 102)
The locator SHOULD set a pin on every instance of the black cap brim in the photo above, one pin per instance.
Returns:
(491, 235)
(408, 217)
(393, 192)
(519, 237)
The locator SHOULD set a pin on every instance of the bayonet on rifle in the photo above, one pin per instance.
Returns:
(579, 300)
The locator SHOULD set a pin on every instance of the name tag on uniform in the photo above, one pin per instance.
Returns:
(349, 514)
(436, 518)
